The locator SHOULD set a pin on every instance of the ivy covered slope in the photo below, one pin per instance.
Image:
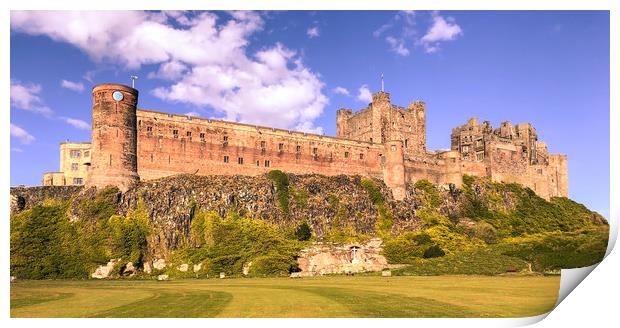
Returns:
(223, 224)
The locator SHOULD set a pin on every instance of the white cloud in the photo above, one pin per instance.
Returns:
(78, 124)
(442, 29)
(169, 71)
(17, 149)
(341, 91)
(193, 114)
(364, 94)
(75, 86)
(402, 29)
(21, 134)
(205, 58)
(397, 46)
(26, 97)
(313, 32)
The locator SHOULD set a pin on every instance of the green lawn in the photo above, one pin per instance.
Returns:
(335, 296)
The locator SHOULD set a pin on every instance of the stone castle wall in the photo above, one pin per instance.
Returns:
(383, 141)
(170, 144)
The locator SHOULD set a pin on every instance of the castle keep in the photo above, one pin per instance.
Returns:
(383, 141)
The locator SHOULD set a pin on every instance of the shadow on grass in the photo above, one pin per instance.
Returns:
(365, 304)
(37, 299)
(204, 304)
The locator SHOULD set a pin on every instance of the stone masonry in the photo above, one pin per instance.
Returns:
(382, 141)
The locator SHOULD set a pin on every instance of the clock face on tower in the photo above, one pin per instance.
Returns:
(117, 95)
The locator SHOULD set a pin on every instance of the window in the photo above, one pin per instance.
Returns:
(225, 159)
(175, 133)
(315, 151)
(74, 153)
(149, 130)
(406, 142)
(361, 156)
(225, 141)
(267, 163)
(257, 163)
(240, 160)
(202, 136)
(346, 154)
(77, 181)
(263, 144)
(280, 146)
(298, 149)
(480, 156)
(74, 166)
(189, 135)
(371, 140)
(86, 153)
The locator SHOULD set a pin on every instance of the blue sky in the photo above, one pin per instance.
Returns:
(295, 69)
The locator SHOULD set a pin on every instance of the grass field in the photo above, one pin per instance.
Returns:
(335, 296)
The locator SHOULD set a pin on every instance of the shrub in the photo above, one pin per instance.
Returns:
(45, 245)
(303, 232)
(431, 196)
(101, 207)
(280, 179)
(376, 197)
(434, 251)
(406, 247)
(301, 197)
(485, 231)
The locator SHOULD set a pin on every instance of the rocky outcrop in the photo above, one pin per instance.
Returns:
(23, 198)
(323, 259)
(104, 271)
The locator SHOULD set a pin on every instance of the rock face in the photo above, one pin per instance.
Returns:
(23, 198)
(352, 258)
(104, 271)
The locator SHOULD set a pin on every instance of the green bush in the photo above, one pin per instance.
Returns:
(431, 196)
(303, 232)
(376, 197)
(225, 244)
(434, 251)
(300, 195)
(129, 234)
(45, 245)
(102, 207)
(280, 179)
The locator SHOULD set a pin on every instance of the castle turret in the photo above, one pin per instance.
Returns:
(114, 139)
(394, 168)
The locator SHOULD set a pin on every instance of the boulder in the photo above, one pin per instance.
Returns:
(147, 268)
(162, 277)
(197, 267)
(13, 278)
(386, 273)
(183, 267)
(246, 268)
(159, 264)
(222, 275)
(104, 271)
(295, 275)
(129, 269)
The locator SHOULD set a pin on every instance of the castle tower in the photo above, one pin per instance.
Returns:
(342, 119)
(114, 140)
(394, 168)
(380, 116)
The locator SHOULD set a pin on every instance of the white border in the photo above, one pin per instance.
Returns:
(593, 302)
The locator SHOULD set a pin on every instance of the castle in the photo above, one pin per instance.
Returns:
(384, 141)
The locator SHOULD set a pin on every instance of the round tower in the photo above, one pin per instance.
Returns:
(114, 140)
